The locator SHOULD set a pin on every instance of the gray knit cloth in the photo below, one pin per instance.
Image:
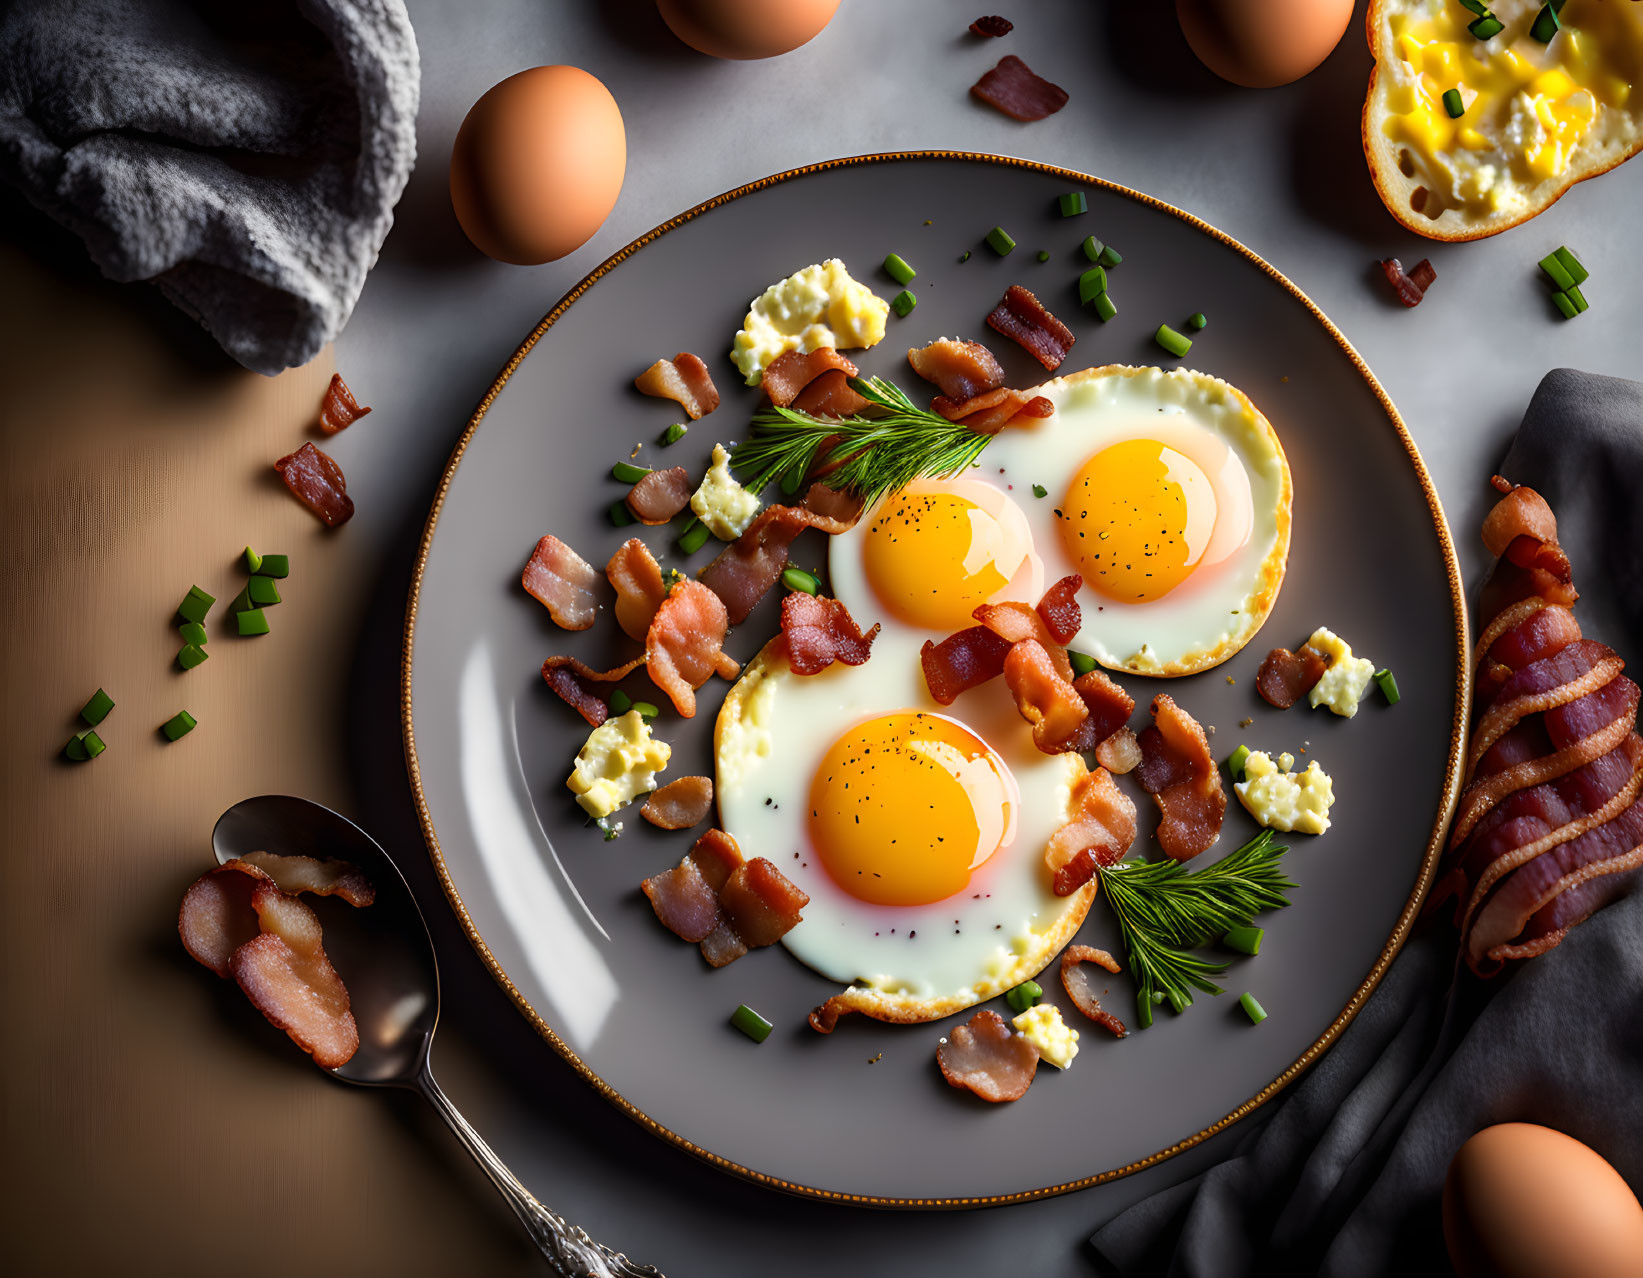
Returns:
(244, 155)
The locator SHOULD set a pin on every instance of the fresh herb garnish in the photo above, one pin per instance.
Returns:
(1165, 911)
(875, 455)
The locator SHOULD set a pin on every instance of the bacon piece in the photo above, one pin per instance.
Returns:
(1059, 610)
(747, 568)
(761, 902)
(1285, 677)
(684, 901)
(1180, 774)
(569, 678)
(1042, 696)
(1100, 831)
(962, 661)
(825, 1019)
(717, 855)
(680, 804)
(659, 496)
(683, 379)
(992, 25)
(1109, 708)
(830, 395)
(1011, 87)
(339, 409)
(1080, 984)
(960, 369)
(288, 978)
(318, 484)
(819, 631)
(1017, 622)
(1541, 630)
(791, 371)
(1521, 512)
(1575, 903)
(1573, 671)
(1410, 287)
(330, 877)
(684, 646)
(216, 917)
(991, 411)
(1119, 753)
(722, 945)
(563, 582)
(637, 579)
(984, 1057)
(1024, 320)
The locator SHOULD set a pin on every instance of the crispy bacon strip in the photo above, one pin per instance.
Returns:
(791, 371)
(684, 646)
(830, 395)
(1570, 673)
(569, 679)
(761, 902)
(819, 631)
(984, 1057)
(1521, 512)
(1119, 753)
(1017, 622)
(680, 804)
(1285, 677)
(1100, 831)
(962, 661)
(339, 409)
(960, 369)
(684, 901)
(1080, 984)
(1023, 319)
(216, 916)
(330, 877)
(563, 582)
(747, 568)
(991, 411)
(1011, 87)
(1042, 696)
(683, 379)
(660, 495)
(1180, 774)
(288, 978)
(318, 484)
(637, 579)
(1059, 610)
(1109, 708)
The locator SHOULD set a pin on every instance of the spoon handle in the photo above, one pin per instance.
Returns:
(567, 1248)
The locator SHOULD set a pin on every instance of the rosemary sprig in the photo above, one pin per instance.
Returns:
(1165, 911)
(879, 454)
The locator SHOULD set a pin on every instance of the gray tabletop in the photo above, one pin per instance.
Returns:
(1281, 170)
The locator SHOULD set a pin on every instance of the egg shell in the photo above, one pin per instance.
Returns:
(538, 164)
(746, 29)
(1261, 44)
(1524, 1201)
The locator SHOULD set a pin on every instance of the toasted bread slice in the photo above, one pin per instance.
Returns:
(1537, 117)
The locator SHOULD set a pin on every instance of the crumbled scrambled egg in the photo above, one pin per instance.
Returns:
(617, 763)
(1280, 800)
(1042, 1026)
(1347, 678)
(721, 503)
(818, 306)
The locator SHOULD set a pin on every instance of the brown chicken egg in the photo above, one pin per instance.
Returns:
(1261, 44)
(538, 164)
(1523, 1201)
(744, 29)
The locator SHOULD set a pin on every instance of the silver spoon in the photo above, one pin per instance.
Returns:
(388, 963)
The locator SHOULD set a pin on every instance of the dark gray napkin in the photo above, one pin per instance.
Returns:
(1346, 1176)
(245, 156)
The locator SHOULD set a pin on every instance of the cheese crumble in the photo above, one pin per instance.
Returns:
(818, 306)
(1281, 800)
(618, 762)
(722, 504)
(1042, 1026)
(1347, 678)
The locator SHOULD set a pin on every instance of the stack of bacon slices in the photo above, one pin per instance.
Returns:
(1549, 828)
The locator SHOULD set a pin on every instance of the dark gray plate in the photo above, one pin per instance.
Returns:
(556, 912)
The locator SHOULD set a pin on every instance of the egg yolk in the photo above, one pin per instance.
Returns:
(1137, 518)
(934, 555)
(905, 806)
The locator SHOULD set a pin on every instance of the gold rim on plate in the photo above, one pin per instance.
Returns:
(1406, 919)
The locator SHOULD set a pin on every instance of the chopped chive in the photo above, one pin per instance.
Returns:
(897, 269)
(1486, 28)
(1560, 275)
(620, 702)
(620, 515)
(1024, 996)
(91, 743)
(1388, 684)
(1093, 248)
(1578, 298)
(1105, 308)
(646, 710)
(1043, 255)
(1246, 940)
(693, 538)
(1082, 663)
(1452, 104)
(751, 1023)
(96, 710)
(190, 655)
(253, 561)
(903, 303)
(1477, 7)
(1578, 273)
(1546, 24)
(674, 433)
(998, 239)
(196, 603)
(242, 601)
(1565, 304)
(965, 256)
(193, 632)
(275, 566)
(1252, 1009)
(1197, 320)
(628, 474)
(1143, 1009)
(1110, 257)
(1236, 761)
(799, 579)
(1073, 203)
(1178, 1000)
(263, 591)
(178, 725)
(1091, 284)
(253, 621)
(1040, 491)
(1171, 341)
